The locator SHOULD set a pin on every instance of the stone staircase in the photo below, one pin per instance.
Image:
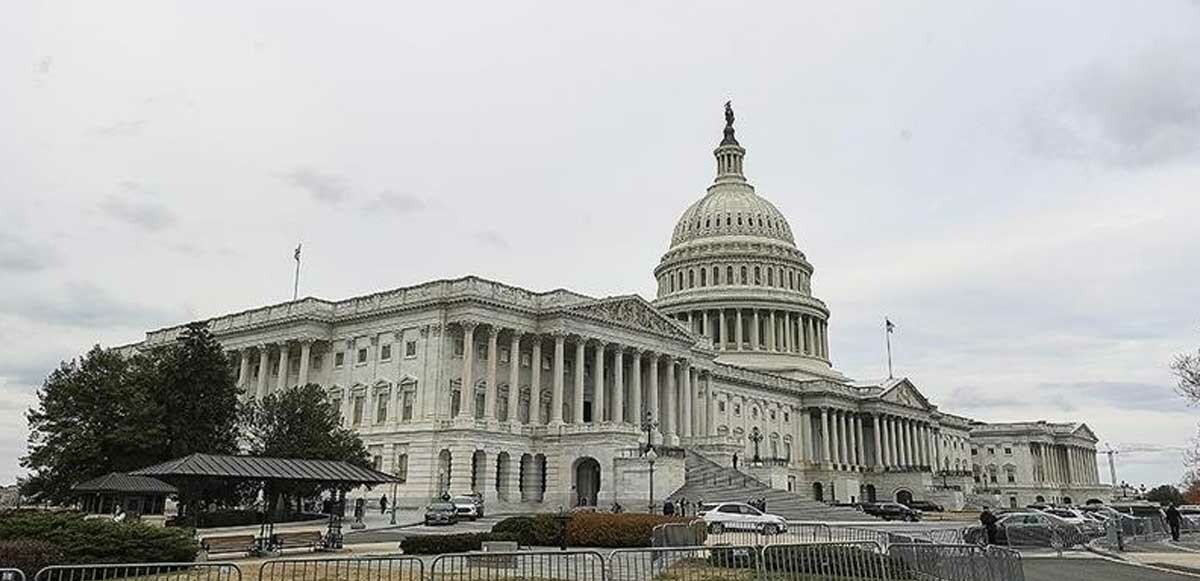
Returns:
(708, 481)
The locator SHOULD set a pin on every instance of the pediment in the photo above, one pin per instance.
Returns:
(1084, 431)
(632, 311)
(904, 393)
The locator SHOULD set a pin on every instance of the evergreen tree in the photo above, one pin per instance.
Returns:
(91, 419)
(196, 391)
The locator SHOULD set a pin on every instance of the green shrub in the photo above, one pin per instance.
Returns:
(29, 555)
(85, 541)
(458, 543)
(539, 530)
(615, 530)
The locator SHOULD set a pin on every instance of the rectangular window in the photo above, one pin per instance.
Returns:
(377, 462)
(410, 349)
(458, 348)
(317, 360)
(337, 409)
(974, 451)
(406, 409)
(737, 409)
(505, 356)
(339, 359)
(1008, 451)
(526, 358)
(358, 409)
(721, 406)
(381, 408)
(481, 352)
(992, 451)
(547, 363)
(385, 352)
(1012, 477)
(362, 356)
(787, 417)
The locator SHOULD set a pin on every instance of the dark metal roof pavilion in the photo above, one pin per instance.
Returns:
(265, 469)
(119, 482)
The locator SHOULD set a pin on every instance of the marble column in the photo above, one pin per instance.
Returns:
(618, 388)
(535, 383)
(556, 396)
(828, 456)
(635, 388)
(652, 397)
(670, 409)
(466, 398)
(773, 333)
(806, 439)
(853, 441)
(704, 321)
(243, 368)
(264, 361)
(754, 331)
(489, 397)
(577, 395)
(598, 396)
(514, 379)
(875, 427)
(723, 340)
(284, 355)
(688, 396)
(737, 332)
(710, 419)
(305, 357)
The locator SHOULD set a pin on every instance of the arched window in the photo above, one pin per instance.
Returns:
(770, 277)
(728, 275)
(691, 279)
(792, 280)
(757, 277)
(708, 222)
(671, 283)
(703, 277)
(739, 219)
(743, 275)
(716, 273)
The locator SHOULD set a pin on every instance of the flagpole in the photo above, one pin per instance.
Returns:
(887, 333)
(296, 280)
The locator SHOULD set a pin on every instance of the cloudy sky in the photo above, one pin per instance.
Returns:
(1015, 184)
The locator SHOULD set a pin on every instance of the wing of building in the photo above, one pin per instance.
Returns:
(549, 398)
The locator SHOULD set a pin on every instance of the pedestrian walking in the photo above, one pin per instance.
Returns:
(383, 502)
(988, 520)
(1173, 520)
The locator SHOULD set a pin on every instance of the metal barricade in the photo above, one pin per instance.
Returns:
(12, 575)
(959, 562)
(350, 569)
(684, 563)
(1036, 536)
(689, 534)
(142, 572)
(862, 560)
(541, 565)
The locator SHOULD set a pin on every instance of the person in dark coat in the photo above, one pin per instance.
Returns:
(1173, 520)
(988, 520)
(383, 502)
(668, 508)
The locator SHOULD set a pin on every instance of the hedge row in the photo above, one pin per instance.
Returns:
(457, 543)
(84, 541)
(586, 529)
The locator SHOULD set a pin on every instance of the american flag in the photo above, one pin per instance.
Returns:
(297, 254)
(891, 327)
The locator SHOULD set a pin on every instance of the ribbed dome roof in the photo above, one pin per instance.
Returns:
(732, 210)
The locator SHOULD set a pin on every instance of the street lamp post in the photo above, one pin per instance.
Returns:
(648, 426)
(756, 437)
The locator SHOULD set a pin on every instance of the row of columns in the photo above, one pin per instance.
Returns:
(677, 394)
(768, 330)
(262, 387)
(1066, 464)
(895, 441)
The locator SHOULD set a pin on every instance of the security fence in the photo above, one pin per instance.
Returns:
(352, 569)
(683, 563)
(142, 572)
(806, 533)
(959, 562)
(541, 565)
(1122, 530)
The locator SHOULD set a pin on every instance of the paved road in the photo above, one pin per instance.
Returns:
(1046, 569)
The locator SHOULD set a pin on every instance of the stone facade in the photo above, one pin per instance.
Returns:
(547, 398)
(1022, 463)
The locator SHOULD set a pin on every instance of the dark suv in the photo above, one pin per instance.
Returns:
(926, 506)
(891, 511)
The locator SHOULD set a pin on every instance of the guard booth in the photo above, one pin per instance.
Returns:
(137, 495)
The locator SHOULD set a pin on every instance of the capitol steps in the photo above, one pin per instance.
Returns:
(710, 482)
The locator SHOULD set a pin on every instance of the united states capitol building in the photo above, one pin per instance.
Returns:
(547, 399)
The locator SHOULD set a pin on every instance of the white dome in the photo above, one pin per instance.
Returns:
(732, 210)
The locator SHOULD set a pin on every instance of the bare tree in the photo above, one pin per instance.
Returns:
(1187, 369)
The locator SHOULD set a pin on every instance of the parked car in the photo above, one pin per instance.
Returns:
(741, 516)
(1029, 529)
(468, 506)
(892, 511)
(1074, 517)
(926, 506)
(441, 513)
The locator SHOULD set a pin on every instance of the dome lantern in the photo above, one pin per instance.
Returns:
(729, 153)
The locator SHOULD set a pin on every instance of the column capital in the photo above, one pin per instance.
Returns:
(492, 330)
(282, 344)
(516, 334)
(467, 324)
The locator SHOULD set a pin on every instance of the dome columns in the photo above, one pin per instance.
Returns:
(754, 329)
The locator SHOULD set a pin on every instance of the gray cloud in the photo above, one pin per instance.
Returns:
(1136, 110)
(131, 128)
(145, 214)
(491, 239)
(397, 203)
(82, 304)
(18, 255)
(1070, 397)
(323, 187)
